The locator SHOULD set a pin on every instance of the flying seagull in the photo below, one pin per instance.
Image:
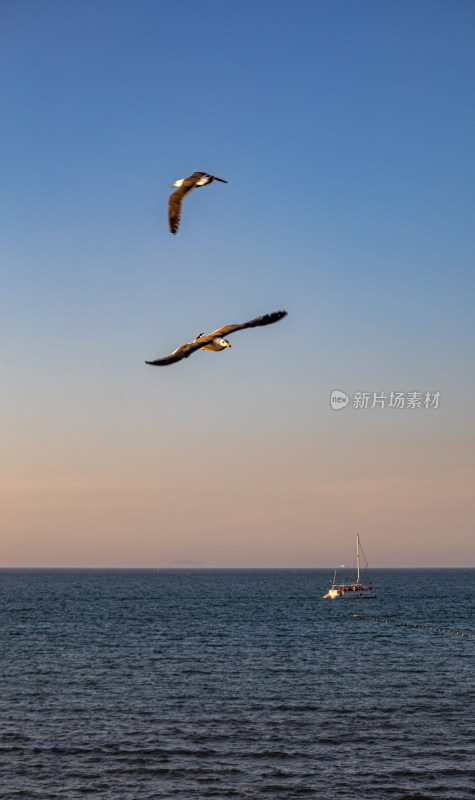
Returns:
(185, 185)
(215, 340)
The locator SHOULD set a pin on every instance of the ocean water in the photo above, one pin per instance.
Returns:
(127, 684)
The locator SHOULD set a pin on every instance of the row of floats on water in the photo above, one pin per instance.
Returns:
(411, 625)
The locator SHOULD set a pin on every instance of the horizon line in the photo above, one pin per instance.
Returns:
(205, 567)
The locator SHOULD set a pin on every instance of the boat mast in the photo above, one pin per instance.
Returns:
(358, 555)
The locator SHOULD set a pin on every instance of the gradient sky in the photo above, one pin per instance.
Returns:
(346, 132)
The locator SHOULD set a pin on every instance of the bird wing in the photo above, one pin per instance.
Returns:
(176, 198)
(182, 352)
(174, 210)
(267, 319)
(195, 177)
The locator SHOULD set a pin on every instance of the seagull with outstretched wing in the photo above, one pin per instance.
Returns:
(185, 186)
(215, 341)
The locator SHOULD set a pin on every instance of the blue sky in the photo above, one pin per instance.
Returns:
(345, 131)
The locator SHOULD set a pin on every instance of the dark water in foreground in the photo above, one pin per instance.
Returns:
(121, 684)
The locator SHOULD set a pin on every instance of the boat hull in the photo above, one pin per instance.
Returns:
(350, 592)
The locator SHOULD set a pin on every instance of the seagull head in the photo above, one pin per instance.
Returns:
(178, 183)
(224, 343)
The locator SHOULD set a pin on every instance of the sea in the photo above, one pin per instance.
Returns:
(136, 684)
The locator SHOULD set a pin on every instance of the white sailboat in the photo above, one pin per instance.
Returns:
(353, 589)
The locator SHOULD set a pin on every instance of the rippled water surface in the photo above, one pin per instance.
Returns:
(122, 684)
